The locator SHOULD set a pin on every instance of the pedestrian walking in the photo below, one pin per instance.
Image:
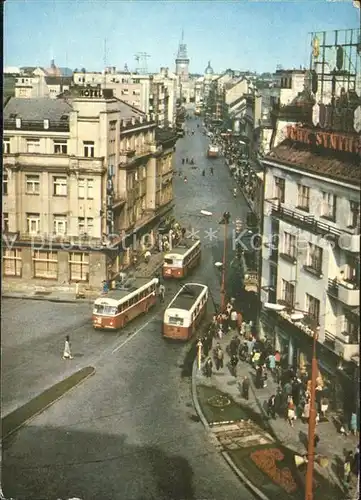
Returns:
(203, 172)
(218, 357)
(233, 322)
(161, 293)
(245, 388)
(67, 350)
(347, 469)
(212, 170)
(208, 367)
(233, 363)
(271, 406)
(233, 346)
(316, 440)
(291, 412)
(306, 411)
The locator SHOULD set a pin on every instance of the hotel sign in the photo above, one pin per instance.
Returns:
(328, 140)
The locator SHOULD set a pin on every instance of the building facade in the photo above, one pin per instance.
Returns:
(84, 180)
(311, 248)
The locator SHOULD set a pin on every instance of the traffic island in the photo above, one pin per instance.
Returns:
(21, 416)
(265, 465)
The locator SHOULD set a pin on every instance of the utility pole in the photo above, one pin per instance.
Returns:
(225, 221)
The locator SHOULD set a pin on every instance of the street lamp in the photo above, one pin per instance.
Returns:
(297, 315)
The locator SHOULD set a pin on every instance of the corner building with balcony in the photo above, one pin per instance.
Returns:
(84, 180)
(311, 259)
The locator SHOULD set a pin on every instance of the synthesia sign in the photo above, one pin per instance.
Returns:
(328, 140)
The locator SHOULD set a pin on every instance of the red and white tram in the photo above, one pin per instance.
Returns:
(185, 311)
(181, 260)
(115, 309)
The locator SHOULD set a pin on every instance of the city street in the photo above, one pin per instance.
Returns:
(125, 433)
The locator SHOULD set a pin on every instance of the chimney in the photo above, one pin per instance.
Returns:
(133, 120)
(46, 124)
(18, 122)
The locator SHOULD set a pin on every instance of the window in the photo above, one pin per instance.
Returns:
(351, 327)
(280, 185)
(329, 206)
(59, 224)
(79, 266)
(6, 146)
(85, 188)
(315, 257)
(313, 307)
(88, 149)
(288, 293)
(33, 146)
(352, 270)
(5, 222)
(60, 147)
(303, 197)
(32, 184)
(289, 245)
(85, 225)
(60, 186)
(113, 125)
(354, 215)
(12, 262)
(5, 183)
(45, 264)
(33, 223)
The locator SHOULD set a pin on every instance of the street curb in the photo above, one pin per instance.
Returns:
(225, 455)
(51, 402)
(195, 396)
(45, 298)
(242, 477)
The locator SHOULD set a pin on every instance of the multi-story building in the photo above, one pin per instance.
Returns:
(84, 180)
(186, 84)
(150, 94)
(311, 260)
(169, 80)
(40, 82)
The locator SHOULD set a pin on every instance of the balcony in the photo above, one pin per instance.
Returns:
(61, 241)
(49, 162)
(347, 293)
(129, 158)
(309, 223)
(251, 282)
(347, 346)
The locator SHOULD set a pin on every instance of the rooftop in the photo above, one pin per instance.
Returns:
(36, 109)
(58, 80)
(187, 296)
(341, 166)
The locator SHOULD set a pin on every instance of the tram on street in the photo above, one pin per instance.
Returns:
(115, 309)
(182, 259)
(185, 311)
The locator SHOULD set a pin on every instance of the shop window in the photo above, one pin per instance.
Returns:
(12, 262)
(45, 264)
(79, 266)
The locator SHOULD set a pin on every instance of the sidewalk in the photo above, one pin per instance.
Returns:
(289, 440)
(67, 294)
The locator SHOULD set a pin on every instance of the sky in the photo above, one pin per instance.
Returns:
(240, 34)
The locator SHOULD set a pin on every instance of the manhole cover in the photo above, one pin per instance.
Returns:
(219, 401)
